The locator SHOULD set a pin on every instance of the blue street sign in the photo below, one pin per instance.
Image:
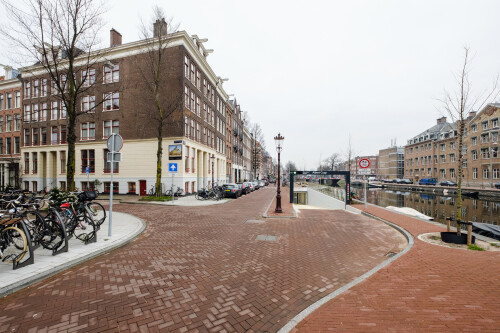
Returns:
(87, 170)
(172, 167)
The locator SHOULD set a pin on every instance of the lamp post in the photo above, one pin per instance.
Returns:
(279, 147)
(212, 158)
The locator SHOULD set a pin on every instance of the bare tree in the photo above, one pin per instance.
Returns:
(60, 37)
(160, 100)
(458, 106)
(332, 161)
(290, 166)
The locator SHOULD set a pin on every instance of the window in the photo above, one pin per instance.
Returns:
(16, 145)
(44, 88)
(198, 111)
(88, 77)
(107, 163)
(63, 82)
(186, 96)
(443, 173)
(443, 158)
(1, 101)
(111, 126)
(474, 128)
(88, 186)
(485, 153)
(198, 81)
(486, 174)
(88, 131)
(485, 125)
(63, 111)
(186, 67)
(62, 157)
(43, 136)
(452, 173)
(27, 89)
(1, 146)
(54, 135)
(36, 88)
(112, 74)
(107, 187)
(111, 101)
(88, 104)
(27, 137)
(485, 138)
(496, 173)
(9, 100)
(34, 116)
(55, 111)
(43, 115)
(17, 122)
(474, 155)
(474, 141)
(186, 161)
(494, 123)
(88, 160)
(17, 102)
(452, 157)
(8, 123)
(131, 187)
(205, 87)
(193, 165)
(35, 136)
(34, 184)
(186, 127)
(192, 72)
(62, 185)
(26, 163)
(35, 162)
(443, 146)
(474, 173)
(63, 133)
(1, 124)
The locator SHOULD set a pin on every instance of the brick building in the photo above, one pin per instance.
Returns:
(10, 128)
(358, 172)
(117, 102)
(391, 163)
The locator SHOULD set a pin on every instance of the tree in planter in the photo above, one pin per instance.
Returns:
(458, 106)
(163, 93)
(60, 37)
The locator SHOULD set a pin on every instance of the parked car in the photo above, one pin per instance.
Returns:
(256, 184)
(428, 181)
(396, 181)
(497, 185)
(252, 187)
(232, 191)
(262, 183)
(245, 189)
(447, 183)
(406, 181)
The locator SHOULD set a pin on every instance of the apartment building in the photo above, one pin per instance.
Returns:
(391, 163)
(117, 102)
(237, 126)
(10, 128)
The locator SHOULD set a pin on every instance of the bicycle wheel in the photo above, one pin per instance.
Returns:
(35, 224)
(197, 196)
(53, 235)
(85, 229)
(97, 212)
(69, 219)
(15, 244)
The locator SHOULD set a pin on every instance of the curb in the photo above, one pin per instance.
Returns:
(313, 307)
(277, 217)
(42, 276)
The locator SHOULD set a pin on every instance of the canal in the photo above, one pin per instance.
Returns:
(437, 206)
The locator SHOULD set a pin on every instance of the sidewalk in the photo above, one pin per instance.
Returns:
(125, 228)
(429, 289)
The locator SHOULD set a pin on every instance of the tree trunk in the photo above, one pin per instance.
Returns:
(459, 184)
(71, 138)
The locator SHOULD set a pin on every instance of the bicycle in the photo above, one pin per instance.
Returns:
(13, 241)
(202, 194)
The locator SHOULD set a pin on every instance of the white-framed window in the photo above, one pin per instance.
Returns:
(474, 155)
(9, 100)
(496, 173)
(44, 91)
(54, 136)
(452, 173)
(186, 97)
(474, 128)
(112, 101)
(63, 111)
(88, 131)
(8, 123)
(485, 125)
(17, 100)
(111, 74)
(43, 114)
(494, 123)
(34, 116)
(27, 113)
(193, 107)
(36, 88)
(54, 111)
(88, 104)
(198, 108)
(111, 126)
(17, 122)
(186, 67)
(198, 80)
(486, 174)
(27, 89)
(474, 173)
(88, 77)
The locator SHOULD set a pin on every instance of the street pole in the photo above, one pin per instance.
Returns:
(365, 189)
(112, 187)
(279, 146)
(213, 170)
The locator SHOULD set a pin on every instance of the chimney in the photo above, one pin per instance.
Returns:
(115, 38)
(160, 27)
(441, 120)
(472, 114)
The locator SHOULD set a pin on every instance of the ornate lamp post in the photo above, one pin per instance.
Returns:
(279, 146)
(212, 158)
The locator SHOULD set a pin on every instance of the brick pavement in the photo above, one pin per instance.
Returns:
(429, 289)
(202, 269)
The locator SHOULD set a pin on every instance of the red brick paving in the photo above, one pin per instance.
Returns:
(428, 289)
(286, 206)
(201, 269)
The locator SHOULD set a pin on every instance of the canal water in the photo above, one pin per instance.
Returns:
(437, 206)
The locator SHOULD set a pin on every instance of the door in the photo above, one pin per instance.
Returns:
(142, 188)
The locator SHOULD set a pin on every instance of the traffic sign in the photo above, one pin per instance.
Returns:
(115, 142)
(364, 163)
(117, 157)
(87, 170)
(172, 167)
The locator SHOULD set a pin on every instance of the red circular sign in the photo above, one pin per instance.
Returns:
(364, 163)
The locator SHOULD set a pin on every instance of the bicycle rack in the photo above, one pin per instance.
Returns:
(65, 247)
(31, 258)
(91, 237)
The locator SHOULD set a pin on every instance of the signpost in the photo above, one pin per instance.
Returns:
(364, 163)
(114, 144)
(172, 168)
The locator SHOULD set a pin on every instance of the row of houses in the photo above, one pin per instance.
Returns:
(433, 153)
(205, 134)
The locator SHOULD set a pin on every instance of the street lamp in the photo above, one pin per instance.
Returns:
(279, 147)
(212, 158)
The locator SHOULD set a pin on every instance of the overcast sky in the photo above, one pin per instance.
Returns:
(321, 71)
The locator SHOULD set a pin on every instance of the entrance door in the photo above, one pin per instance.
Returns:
(142, 188)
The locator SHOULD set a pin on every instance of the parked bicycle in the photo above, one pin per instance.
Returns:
(13, 241)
